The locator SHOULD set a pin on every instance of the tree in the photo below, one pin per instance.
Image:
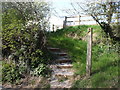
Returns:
(104, 13)
(23, 34)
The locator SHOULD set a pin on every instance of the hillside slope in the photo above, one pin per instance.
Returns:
(104, 56)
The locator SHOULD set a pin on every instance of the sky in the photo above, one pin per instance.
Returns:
(58, 5)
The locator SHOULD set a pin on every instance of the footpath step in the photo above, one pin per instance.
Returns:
(64, 70)
(63, 60)
(65, 74)
(64, 65)
(57, 84)
(53, 49)
(61, 54)
(58, 53)
(66, 56)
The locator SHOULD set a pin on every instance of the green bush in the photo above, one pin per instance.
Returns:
(11, 73)
(41, 70)
(22, 41)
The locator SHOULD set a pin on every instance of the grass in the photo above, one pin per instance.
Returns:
(104, 73)
(104, 60)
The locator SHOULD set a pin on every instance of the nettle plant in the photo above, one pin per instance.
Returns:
(23, 35)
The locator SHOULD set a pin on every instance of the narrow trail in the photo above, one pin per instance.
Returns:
(62, 71)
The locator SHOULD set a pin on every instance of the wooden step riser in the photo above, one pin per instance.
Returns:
(63, 61)
(54, 49)
(59, 87)
(65, 70)
(62, 54)
(64, 67)
(64, 76)
(60, 75)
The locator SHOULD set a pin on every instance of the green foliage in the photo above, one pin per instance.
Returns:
(11, 31)
(36, 58)
(22, 40)
(41, 70)
(11, 73)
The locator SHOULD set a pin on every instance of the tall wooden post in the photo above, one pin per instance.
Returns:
(89, 53)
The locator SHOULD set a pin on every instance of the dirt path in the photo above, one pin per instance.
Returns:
(62, 75)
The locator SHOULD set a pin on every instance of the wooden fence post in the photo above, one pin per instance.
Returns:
(65, 22)
(89, 53)
(53, 27)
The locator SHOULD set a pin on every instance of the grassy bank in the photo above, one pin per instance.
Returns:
(104, 60)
